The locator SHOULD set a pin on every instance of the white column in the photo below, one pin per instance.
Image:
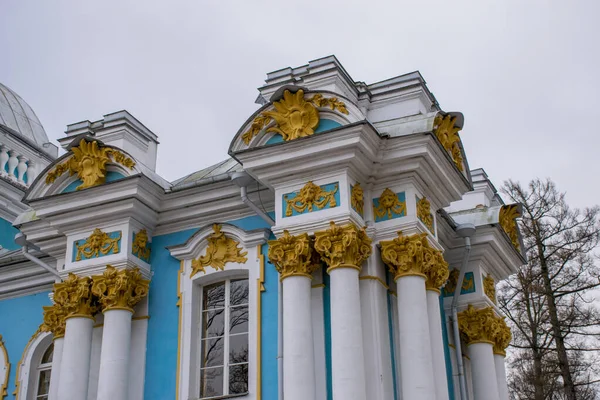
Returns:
(298, 352)
(347, 358)
(437, 344)
(416, 366)
(75, 363)
(114, 357)
(483, 370)
(501, 376)
(56, 362)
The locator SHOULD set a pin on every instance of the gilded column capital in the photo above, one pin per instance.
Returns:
(54, 320)
(413, 256)
(479, 325)
(502, 338)
(74, 295)
(292, 255)
(343, 246)
(119, 289)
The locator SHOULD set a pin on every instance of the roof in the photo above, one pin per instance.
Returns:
(209, 173)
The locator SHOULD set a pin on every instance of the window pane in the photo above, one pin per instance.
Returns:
(212, 350)
(213, 296)
(238, 379)
(238, 348)
(44, 382)
(213, 323)
(238, 292)
(238, 319)
(47, 357)
(211, 382)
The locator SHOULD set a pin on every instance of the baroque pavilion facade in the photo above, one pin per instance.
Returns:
(321, 260)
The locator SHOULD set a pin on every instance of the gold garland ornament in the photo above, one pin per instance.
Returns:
(119, 289)
(388, 204)
(489, 288)
(294, 116)
(357, 199)
(89, 163)
(292, 255)
(219, 252)
(140, 245)
(468, 283)
(310, 196)
(508, 222)
(98, 243)
(445, 129)
(424, 212)
(343, 246)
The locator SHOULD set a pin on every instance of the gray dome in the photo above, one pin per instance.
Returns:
(16, 114)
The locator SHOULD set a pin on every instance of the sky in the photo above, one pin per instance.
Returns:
(526, 74)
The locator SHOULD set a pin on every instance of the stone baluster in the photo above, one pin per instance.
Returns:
(55, 322)
(480, 327)
(344, 249)
(293, 259)
(21, 169)
(3, 159)
(13, 161)
(31, 172)
(118, 292)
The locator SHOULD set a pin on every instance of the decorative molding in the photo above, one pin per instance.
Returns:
(18, 390)
(357, 198)
(343, 246)
(221, 250)
(489, 288)
(508, 222)
(260, 286)
(292, 255)
(424, 212)
(447, 133)
(54, 320)
(89, 163)
(310, 198)
(374, 278)
(119, 289)
(6, 370)
(468, 285)
(294, 116)
(140, 247)
(389, 205)
(479, 325)
(414, 256)
(98, 244)
(74, 295)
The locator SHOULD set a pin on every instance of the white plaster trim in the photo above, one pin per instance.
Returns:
(27, 368)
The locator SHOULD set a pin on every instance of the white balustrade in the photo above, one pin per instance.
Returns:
(16, 167)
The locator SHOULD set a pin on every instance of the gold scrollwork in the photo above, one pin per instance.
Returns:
(220, 251)
(343, 246)
(140, 245)
(502, 338)
(468, 284)
(508, 222)
(446, 131)
(74, 295)
(294, 116)
(424, 212)
(489, 288)
(479, 325)
(54, 320)
(389, 204)
(98, 243)
(119, 289)
(309, 197)
(357, 199)
(89, 163)
(292, 255)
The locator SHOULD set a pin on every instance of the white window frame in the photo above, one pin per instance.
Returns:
(42, 367)
(190, 294)
(27, 368)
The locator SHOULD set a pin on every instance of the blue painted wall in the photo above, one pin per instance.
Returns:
(161, 355)
(447, 351)
(7, 235)
(19, 320)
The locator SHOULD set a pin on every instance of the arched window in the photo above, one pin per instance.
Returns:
(43, 373)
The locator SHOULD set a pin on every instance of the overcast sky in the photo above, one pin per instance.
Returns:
(525, 74)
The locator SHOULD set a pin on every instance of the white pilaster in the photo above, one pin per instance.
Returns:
(437, 345)
(114, 356)
(501, 376)
(483, 371)
(416, 367)
(56, 363)
(347, 357)
(75, 363)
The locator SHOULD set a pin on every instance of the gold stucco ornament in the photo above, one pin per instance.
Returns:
(292, 255)
(54, 320)
(343, 246)
(221, 250)
(502, 338)
(140, 245)
(98, 243)
(89, 163)
(479, 325)
(309, 198)
(389, 204)
(424, 212)
(357, 199)
(445, 129)
(489, 288)
(294, 116)
(119, 289)
(74, 295)
(508, 222)
(467, 285)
